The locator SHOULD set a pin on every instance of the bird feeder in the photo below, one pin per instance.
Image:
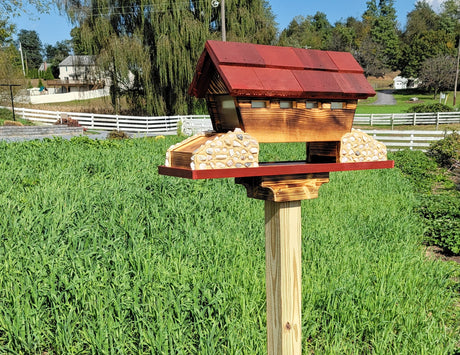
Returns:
(267, 94)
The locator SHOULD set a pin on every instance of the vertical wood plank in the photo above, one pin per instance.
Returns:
(283, 276)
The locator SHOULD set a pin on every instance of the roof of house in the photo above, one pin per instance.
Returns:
(253, 70)
(78, 60)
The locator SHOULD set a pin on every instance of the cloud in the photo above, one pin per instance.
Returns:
(435, 4)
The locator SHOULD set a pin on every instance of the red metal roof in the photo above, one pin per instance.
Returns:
(254, 70)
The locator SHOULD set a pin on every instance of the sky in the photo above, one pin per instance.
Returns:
(53, 28)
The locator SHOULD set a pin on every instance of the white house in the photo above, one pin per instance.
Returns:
(400, 82)
(78, 73)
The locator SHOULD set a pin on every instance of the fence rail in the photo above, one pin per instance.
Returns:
(414, 140)
(414, 119)
(169, 125)
(161, 125)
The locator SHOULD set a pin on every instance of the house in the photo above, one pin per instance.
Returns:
(78, 74)
(400, 82)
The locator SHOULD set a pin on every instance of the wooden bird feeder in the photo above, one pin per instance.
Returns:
(266, 94)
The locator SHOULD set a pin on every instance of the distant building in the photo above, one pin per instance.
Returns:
(400, 82)
(78, 73)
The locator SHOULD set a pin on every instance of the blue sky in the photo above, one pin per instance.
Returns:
(54, 27)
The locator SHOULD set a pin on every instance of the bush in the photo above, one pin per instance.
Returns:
(418, 167)
(117, 135)
(442, 221)
(69, 122)
(436, 107)
(446, 151)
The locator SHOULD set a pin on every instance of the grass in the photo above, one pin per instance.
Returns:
(7, 115)
(101, 255)
(403, 102)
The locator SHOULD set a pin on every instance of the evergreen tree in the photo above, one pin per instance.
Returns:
(31, 47)
(56, 54)
(149, 48)
(383, 31)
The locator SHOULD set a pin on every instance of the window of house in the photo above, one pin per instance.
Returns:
(311, 104)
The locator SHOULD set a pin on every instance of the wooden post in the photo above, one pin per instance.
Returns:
(283, 276)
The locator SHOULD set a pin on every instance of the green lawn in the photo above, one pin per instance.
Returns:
(402, 102)
(101, 255)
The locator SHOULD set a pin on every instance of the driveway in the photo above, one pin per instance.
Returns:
(385, 97)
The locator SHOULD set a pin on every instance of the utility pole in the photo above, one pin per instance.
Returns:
(22, 59)
(456, 75)
(222, 10)
(11, 94)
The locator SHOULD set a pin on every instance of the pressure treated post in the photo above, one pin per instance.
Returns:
(283, 276)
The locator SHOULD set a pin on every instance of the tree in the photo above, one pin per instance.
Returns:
(371, 56)
(15, 7)
(56, 54)
(31, 47)
(428, 35)
(10, 71)
(307, 32)
(438, 73)
(6, 32)
(149, 48)
(78, 45)
(383, 31)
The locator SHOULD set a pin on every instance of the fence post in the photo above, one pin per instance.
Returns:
(117, 122)
(437, 120)
(372, 118)
(92, 120)
(392, 120)
(411, 141)
(415, 118)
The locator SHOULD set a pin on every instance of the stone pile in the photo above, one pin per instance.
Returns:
(358, 146)
(222, 151)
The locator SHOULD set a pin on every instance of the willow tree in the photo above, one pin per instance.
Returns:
(150, 47)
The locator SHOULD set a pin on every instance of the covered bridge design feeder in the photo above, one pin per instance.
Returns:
(267, 94)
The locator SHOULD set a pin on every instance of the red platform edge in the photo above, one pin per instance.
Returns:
(273, 169)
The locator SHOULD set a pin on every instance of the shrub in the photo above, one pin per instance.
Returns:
(69, 122)
(446, 151)
(117, 135)
(436, 107)
(442, 221)
(418, 167)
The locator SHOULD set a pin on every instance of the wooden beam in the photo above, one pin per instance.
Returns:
(273, 169)
(283, 277)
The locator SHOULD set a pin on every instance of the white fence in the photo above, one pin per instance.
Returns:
(417, 140)
(395, 119)
(169, 125)
(163, 125)
(66, 97)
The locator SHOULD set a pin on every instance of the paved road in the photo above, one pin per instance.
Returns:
(385, 97)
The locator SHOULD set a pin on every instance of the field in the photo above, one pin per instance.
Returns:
(100, 255)
(403, 102)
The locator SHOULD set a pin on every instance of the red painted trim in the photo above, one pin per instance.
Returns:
(273, 169)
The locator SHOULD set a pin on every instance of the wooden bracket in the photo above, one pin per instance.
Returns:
(284, 188)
